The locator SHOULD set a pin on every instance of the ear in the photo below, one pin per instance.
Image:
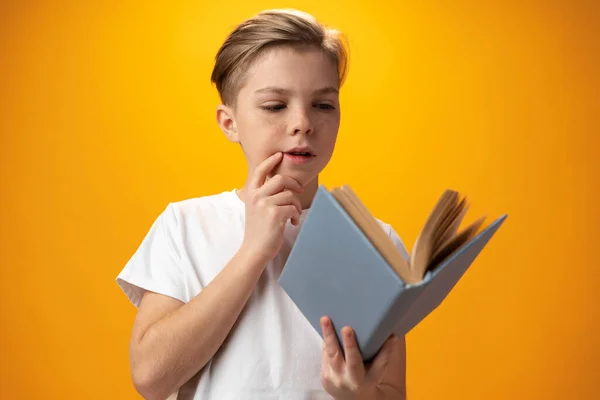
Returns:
(226, 121)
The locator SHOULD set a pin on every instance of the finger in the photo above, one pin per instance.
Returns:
(354, 361)
(288, 212)
(331, 347)
(279, 183)
(383, 357)
(293, 209)
(262, 171)
(285, 198)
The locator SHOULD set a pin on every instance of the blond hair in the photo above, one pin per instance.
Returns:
(266, 30)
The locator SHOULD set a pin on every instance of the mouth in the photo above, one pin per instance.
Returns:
(300, 152)
(299, 155)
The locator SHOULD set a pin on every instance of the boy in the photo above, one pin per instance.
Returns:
(212, 321)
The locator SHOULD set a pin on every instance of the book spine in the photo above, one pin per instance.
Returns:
(395, 312)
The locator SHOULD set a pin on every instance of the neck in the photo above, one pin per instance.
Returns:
(310, 189)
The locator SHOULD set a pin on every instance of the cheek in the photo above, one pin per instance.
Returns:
(328, 120)
(266, 127)
(260, 137)
(328, 127)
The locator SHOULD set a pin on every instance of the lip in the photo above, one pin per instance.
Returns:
(303, 149)
(298, 160)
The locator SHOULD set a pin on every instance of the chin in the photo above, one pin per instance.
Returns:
(304, 177)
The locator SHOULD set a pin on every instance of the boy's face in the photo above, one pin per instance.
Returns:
(289, 103)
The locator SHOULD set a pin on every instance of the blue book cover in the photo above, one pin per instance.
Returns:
(334, 269)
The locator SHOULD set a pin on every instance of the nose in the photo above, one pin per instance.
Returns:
(301, 123)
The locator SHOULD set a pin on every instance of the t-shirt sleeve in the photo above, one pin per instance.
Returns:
(156, 264)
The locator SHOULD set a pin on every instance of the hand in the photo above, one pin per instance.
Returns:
(269, 203)
(350, 379)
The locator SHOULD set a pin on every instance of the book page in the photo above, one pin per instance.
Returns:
(454, 243)
(423, 247)
(437, 240)
(374, 232)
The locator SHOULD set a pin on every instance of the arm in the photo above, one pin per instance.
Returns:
(392, 385)
(172, 341)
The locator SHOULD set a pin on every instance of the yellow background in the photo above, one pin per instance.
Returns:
(107, 114)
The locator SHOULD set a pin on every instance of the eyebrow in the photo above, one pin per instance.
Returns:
(279, 90)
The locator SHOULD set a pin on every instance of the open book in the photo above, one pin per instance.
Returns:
(343, 264)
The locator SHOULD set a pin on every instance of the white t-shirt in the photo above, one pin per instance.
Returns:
(272, 352)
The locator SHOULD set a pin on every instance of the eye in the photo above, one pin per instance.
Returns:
(273, 107)
(324, 106)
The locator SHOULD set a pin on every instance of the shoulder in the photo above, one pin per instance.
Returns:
(164, 261)
(203, 208)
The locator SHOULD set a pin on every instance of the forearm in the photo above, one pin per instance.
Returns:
(176, 347)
